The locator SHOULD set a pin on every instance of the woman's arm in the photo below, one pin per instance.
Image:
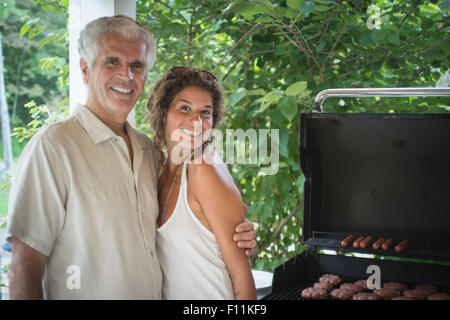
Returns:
(221, 202)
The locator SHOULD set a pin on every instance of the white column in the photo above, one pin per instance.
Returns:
(81, 12)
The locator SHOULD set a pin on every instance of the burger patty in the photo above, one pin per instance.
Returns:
(415, 294)
(331, 278)
(439, 296)
(402, 298)
(387, 293)
(314, 293)
(341, 294)
(426, 288)
(366, 296)
(351, 287)
(362, 283)
(323, 285)
(396, 285)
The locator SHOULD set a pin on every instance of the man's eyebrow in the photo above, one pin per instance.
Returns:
(109, 59)
(138, 63)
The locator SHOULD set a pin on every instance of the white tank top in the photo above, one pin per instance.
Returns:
(191, 263)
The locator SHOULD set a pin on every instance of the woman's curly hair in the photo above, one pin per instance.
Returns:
(165, 90)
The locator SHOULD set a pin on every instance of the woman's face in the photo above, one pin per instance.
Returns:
(189, 117)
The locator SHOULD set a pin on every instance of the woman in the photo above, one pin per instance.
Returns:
(198, 200)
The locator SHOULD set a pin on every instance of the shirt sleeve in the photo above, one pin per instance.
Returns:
(36, 209)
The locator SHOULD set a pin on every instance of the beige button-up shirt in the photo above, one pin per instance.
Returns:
(76, 198)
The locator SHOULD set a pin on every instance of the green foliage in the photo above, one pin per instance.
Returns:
(30, 34)
(17, 148)
(4, 198)
(41, 116)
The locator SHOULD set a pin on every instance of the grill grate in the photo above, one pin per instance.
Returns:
(295, 293)
(286, 294)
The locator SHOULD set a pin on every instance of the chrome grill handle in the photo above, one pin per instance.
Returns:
(378, 92)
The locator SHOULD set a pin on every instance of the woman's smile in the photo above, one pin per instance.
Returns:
(191, 133)
(189, 117)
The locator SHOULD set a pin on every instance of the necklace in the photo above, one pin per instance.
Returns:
(168, 196)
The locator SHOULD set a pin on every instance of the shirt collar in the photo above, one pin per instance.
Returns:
(100, 132)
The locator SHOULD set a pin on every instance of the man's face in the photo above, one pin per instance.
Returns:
(117, 77)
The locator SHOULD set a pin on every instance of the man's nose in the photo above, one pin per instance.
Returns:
(126, 73)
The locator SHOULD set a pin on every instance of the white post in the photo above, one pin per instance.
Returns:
(81, 12)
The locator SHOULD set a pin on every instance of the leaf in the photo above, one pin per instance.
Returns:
(294, 165)
(47, 39)
(429, 10)
(322, 8)
(288, 107)
(24, 29)
(378, 35)
(235, 98)
(281, 12)
(245, 8)
(283, 144)
(276, 118)
(267, 212)
(268, 99)
(300, 182)
(307, 7)
(296, 88)
(445, 7)
(366, 39)
(321, 45)
(393, 37)
(284, 182)
(294, 4)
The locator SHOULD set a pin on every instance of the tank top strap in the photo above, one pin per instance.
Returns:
(184, 177)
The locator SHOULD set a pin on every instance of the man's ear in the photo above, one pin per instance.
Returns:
(84, 70)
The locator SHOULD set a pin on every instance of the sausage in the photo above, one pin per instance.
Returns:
(366, 242)
(378, 243)
(387, 244)
(356, 243)
(401, 246)
(347, 240)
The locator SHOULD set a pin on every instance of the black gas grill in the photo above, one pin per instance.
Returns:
(383, 175)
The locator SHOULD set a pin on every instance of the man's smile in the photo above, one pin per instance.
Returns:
(122, 90)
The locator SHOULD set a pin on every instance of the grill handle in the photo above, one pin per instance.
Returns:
(378, 92)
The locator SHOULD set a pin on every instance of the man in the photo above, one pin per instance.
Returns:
(83, 205)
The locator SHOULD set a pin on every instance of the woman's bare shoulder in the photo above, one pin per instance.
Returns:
(213, 187)
(211, 175)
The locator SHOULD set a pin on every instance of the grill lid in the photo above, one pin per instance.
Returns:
(384, 175)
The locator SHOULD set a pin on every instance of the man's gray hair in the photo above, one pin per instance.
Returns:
(88, 44)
